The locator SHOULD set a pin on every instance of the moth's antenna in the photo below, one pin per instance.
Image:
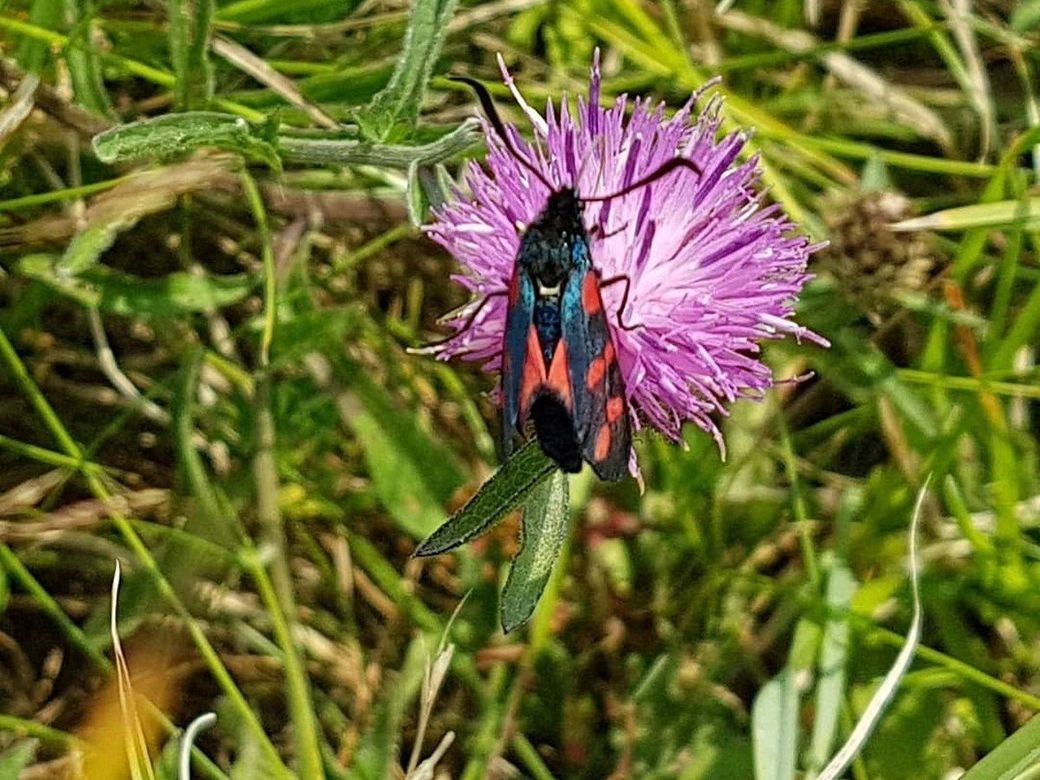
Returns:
(664, 170)
(500, 130)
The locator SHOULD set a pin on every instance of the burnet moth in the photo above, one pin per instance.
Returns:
(559, 364)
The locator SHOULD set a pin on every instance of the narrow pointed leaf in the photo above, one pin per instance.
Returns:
(1012, 757)
(1003, 213)
(774, 728)
(881, 698)
(86, 248)
(543, 532)
(501, 494)
(841, 585)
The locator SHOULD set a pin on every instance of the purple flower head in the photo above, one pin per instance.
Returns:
(712, 271)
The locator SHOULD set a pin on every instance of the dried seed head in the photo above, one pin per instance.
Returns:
(873, 265)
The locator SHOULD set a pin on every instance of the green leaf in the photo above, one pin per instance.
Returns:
(841, 585)
(175, 134)
(1012, 757)
(413, 473)
(1002, 213)
(875, 176)
(251, 763)
(191, 23)
(774, 728)
(543, 532)
(86, 247)
(113, 291)
(33, 53)
(395, 110)
(501, 494)
(397, 476)
(418, 203)
(428, 187)
(84, 59)
(349, 151)
(871, 715)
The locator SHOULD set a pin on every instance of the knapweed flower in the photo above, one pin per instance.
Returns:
(711, 270)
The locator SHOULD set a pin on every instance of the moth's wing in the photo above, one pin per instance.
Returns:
(600, 405)
(515, 357)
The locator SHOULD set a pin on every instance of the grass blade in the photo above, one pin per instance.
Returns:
(774, 728)
(175, 294)
(841, 585)
(1012, 757)
(13, 761)
(1002, 213)
(880, 700)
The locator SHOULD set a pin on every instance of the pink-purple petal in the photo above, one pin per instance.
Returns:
(712, 271)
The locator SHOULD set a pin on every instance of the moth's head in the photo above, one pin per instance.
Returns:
(548, 245)
(561, 218)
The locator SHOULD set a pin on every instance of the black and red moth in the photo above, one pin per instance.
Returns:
(559, 363)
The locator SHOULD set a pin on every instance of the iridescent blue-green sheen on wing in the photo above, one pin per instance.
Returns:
(514, 352)
(574, 331)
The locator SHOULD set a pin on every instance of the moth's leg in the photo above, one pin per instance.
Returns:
(624, 299)
(469, 320)
(596, 230)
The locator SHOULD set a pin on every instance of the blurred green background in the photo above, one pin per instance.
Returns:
(204, 375)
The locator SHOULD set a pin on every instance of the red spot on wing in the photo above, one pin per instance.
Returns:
(514, 288)
(608, 352)
(597, 370)
(591, 301)
(602, 444)
(534, 372)
(559, 378)
(615, 408)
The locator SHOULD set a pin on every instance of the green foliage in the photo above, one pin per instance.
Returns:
(774, 728)
(84, 61)
(175, 294)
(393, 113)
(1014, 757)
(175, 134)
(834, 658)
(413, 474)
(546, 522)
(32, 53)
(499, 495)
(190, 30)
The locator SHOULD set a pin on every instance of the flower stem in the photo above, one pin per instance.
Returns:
(325, 151)
(276, 590)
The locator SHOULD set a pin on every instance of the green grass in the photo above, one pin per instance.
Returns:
(205, 372)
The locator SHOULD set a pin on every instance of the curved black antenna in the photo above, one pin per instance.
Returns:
(664, 170)
(488, 105)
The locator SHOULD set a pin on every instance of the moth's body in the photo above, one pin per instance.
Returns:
(560, 367)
